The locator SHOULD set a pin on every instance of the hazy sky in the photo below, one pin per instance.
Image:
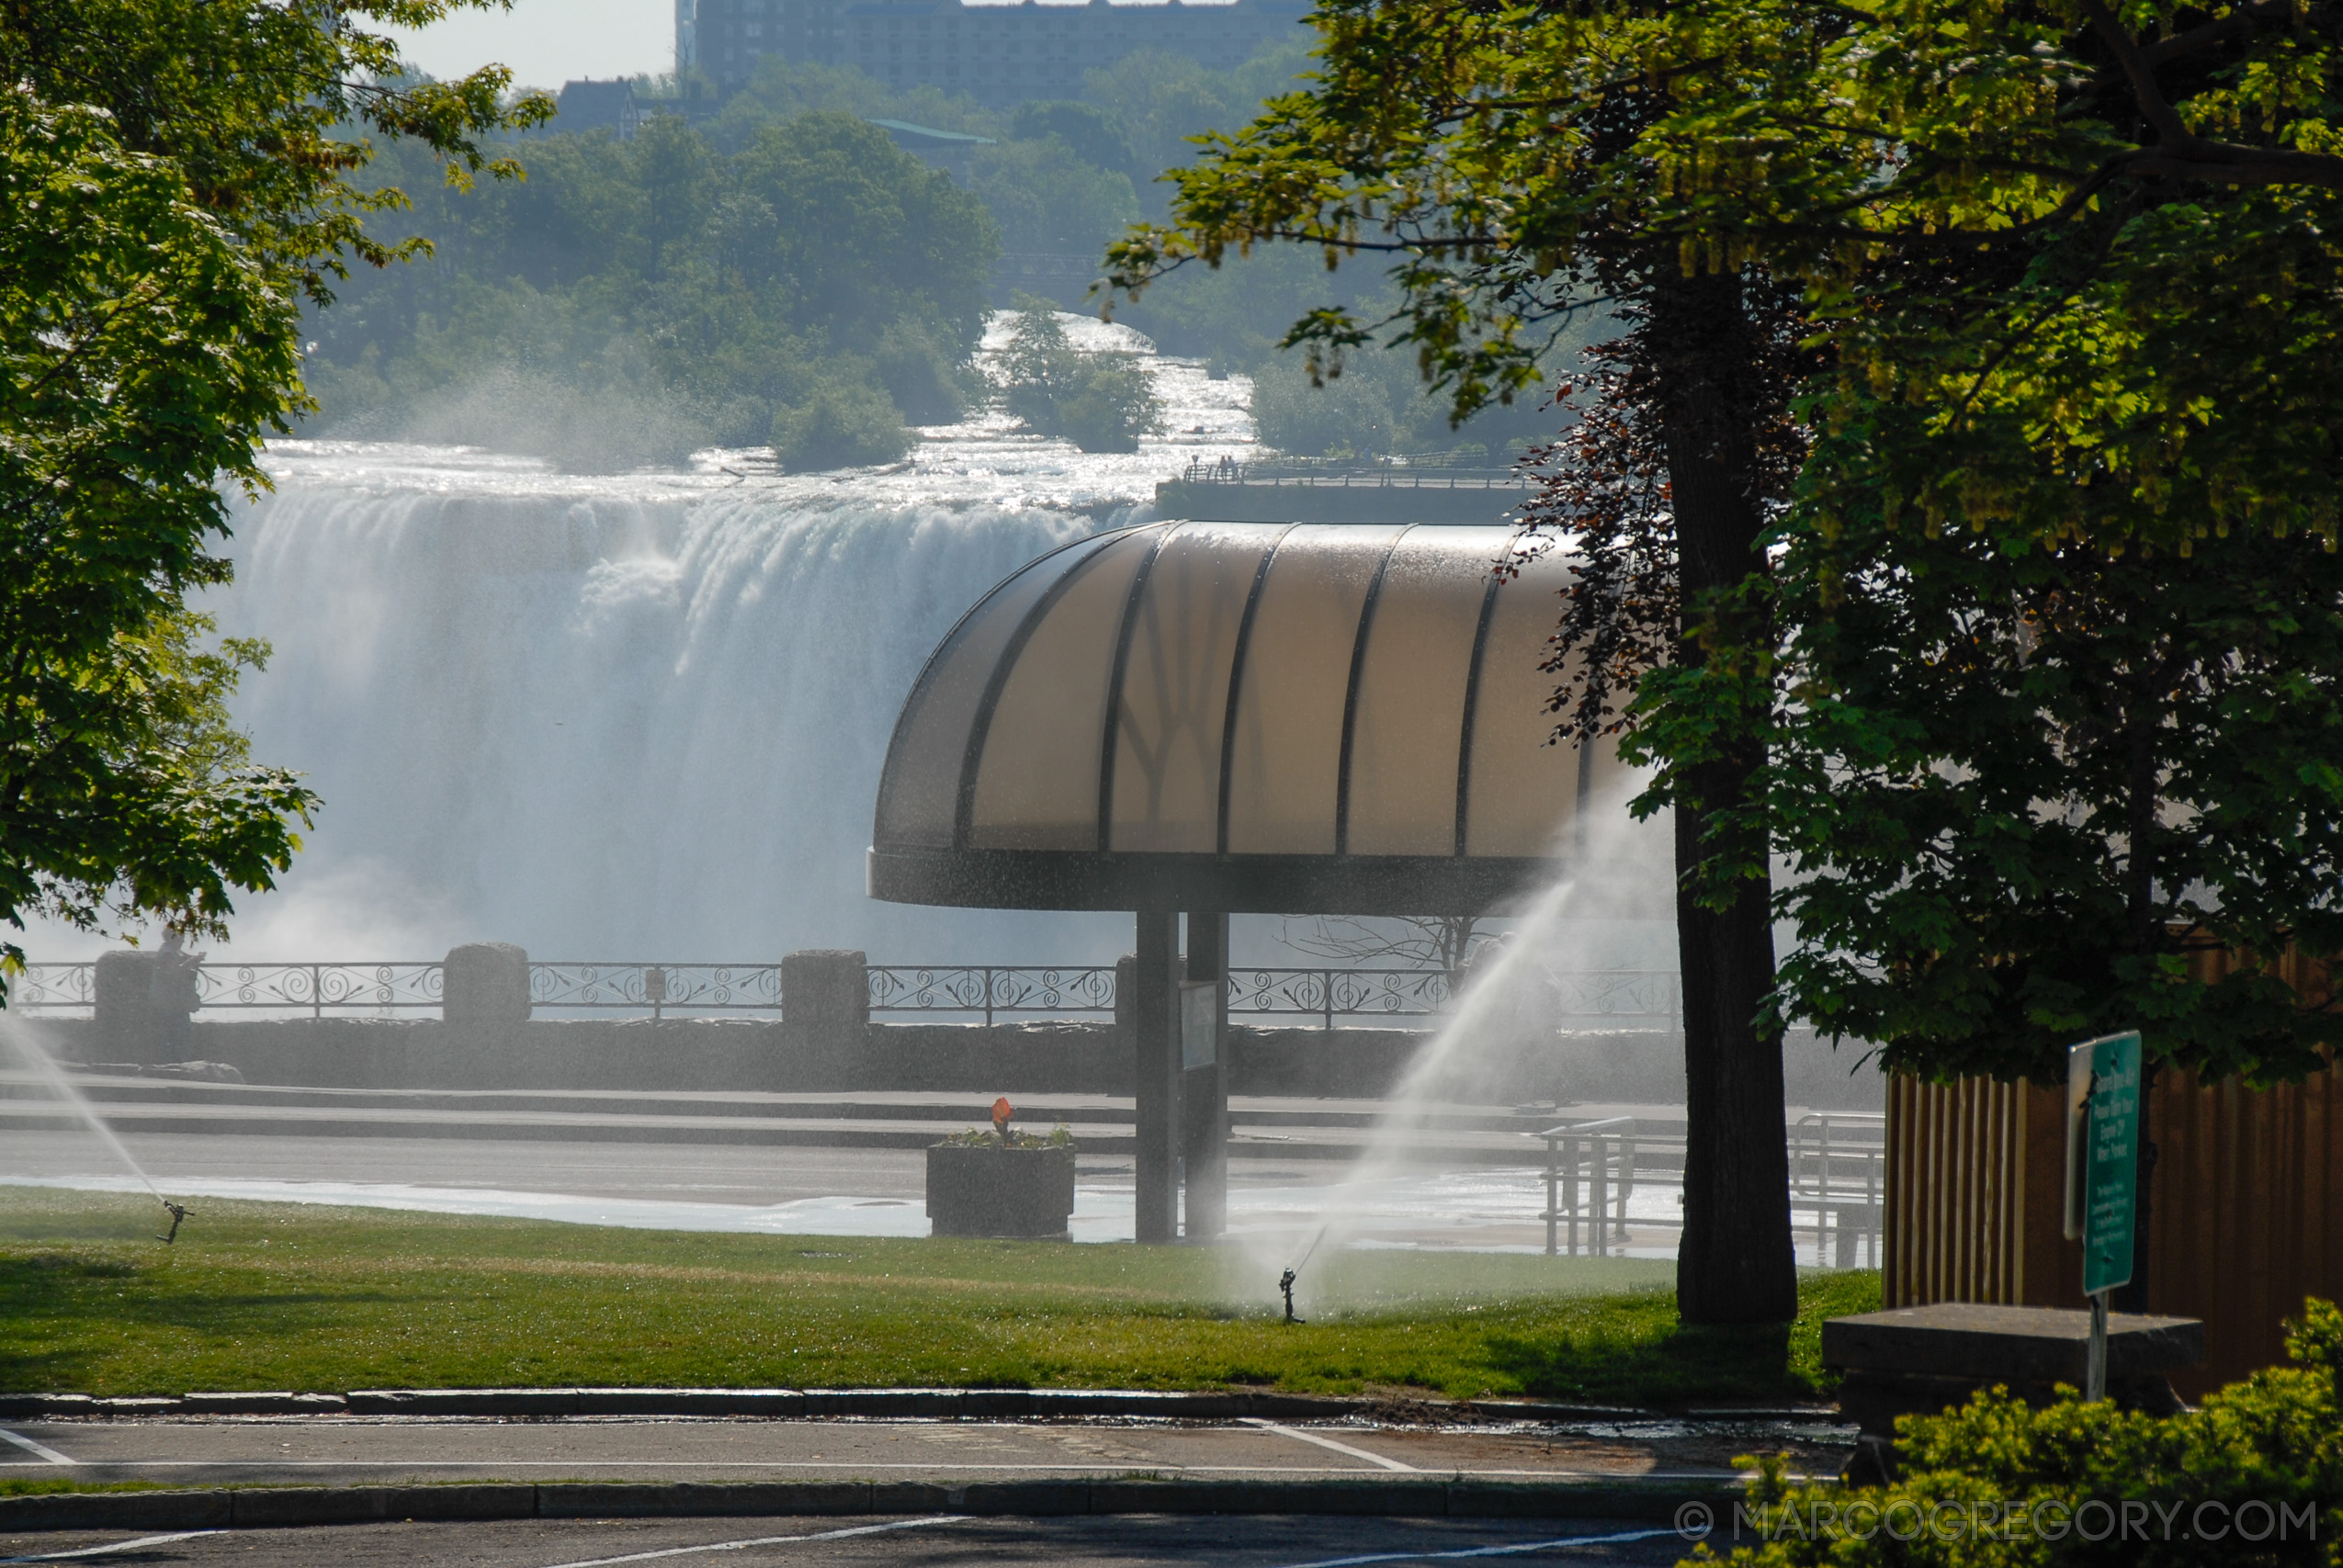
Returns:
(548, 42)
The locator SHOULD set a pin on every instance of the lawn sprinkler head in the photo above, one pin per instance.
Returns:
(1285, 1288)
(178, 1217)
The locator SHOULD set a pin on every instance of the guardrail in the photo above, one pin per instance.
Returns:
(1838, 1169)
(658, 987)
(1377, 477)
(987, 991)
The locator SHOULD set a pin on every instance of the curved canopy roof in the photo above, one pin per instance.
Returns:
(1304, 718)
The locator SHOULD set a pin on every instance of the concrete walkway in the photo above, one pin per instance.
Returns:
(406, 1451)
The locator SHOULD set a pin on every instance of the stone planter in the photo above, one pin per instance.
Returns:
(991, 1191)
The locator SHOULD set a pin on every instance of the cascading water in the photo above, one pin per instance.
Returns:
(638, 715)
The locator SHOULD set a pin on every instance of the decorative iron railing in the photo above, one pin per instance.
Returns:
(345, 987)
(53, 986)
(1329, 994)
(660, 987)
(1650, 994)
(989, 989)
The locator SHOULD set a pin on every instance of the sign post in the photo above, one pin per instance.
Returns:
(2103, 1107)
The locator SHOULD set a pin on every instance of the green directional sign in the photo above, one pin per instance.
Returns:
(2103, 1080)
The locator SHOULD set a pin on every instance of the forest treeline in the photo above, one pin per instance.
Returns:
(780, 271)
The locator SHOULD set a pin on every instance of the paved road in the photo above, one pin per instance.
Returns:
(1127, 1541)
(316, 1450)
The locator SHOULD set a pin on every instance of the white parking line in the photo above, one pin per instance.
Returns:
(1330, 1443)
(1514, 1549)
(116, 1546)
(43, 1449)
(764, 1540)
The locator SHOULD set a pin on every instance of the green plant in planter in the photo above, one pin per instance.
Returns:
(2253, 1476)
(982, 1138)
(1002, 1183)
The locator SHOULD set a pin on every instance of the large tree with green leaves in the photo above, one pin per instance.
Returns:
(175, 177)
(1492, 153)
(2055, 712)
(2001, 225)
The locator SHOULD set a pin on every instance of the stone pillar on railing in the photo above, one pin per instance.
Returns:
(825, 1011)
(145, 1001)
(485, 983)
(1125, 968)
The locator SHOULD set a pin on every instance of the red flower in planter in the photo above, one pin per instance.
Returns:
(1002, 1112)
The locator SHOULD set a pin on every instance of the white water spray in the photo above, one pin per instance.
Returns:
(636, 716)
(1436, 1074)
(22, 1038)
(1621, 872)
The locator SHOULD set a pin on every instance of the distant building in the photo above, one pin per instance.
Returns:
(604, 106)
(996, 53)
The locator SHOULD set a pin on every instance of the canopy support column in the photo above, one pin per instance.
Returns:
(1203, 1090)
(1155, 1020)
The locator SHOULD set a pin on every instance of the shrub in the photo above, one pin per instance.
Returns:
(1060, 1137)
(1996, 1481)
(839, 425)
(926, 382)
(1100, 401)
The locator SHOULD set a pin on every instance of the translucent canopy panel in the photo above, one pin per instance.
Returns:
(1300, 718)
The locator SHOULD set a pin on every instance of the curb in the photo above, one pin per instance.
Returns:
(280, 1508)
(789, 1403)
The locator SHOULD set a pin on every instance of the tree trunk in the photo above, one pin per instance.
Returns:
(1735, 1264)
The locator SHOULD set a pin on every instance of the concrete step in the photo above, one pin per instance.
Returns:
(923, 1106)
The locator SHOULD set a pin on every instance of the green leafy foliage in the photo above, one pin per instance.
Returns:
(2019, 786)
(176, 177)
(647, 297)
(2042, 703)
(263, 106)
(1099, 400)
(143, 351)
(839, 425)
(1058, 1137)
(2253, 1477)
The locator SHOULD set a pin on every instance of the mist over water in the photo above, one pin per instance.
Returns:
(639, 715)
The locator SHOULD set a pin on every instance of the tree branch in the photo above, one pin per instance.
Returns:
(2182, 153)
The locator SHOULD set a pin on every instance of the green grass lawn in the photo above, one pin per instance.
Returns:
(305, 1297)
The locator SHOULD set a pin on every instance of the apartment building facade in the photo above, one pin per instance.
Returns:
(997, 53)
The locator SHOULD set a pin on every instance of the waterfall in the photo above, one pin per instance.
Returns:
(599, 722)
(637, 717)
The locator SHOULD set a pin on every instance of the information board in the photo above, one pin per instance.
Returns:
(2105, 1077)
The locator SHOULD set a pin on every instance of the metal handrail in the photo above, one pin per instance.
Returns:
(991, 989)
(1592, 1167)
(1326, 993)
(1321, 474)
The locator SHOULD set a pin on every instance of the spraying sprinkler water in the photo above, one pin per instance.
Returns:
(1294, 1270)
(21, 1039)
(1451, 1067)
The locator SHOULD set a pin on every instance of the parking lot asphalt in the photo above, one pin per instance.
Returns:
(932, 1541)
(361, 1450)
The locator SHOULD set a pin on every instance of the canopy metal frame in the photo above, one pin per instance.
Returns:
(928, 841)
